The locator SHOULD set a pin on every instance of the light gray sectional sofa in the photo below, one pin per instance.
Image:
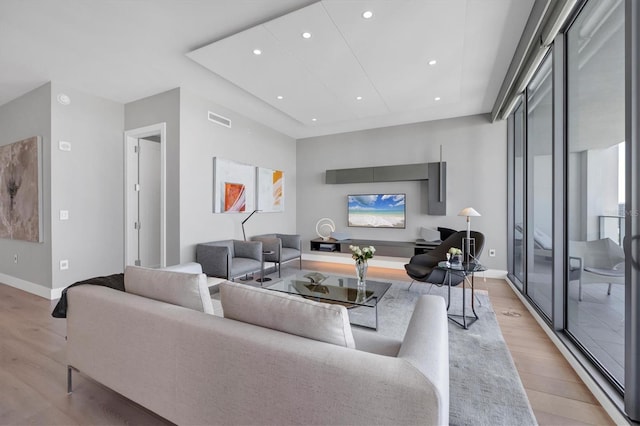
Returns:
(192, 367)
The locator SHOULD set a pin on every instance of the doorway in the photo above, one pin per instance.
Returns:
(145, 206)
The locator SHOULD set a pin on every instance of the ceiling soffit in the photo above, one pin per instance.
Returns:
(383, 60)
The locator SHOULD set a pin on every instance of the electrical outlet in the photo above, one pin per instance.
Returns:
(492, 252)
(64, 214)
(64, 265)
(15, 258)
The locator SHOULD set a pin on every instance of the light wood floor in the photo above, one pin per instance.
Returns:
(33, 367)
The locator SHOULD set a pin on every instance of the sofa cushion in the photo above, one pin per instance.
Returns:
(291, 314)
(177, 288)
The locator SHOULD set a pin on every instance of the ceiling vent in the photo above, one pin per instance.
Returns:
(218, 119)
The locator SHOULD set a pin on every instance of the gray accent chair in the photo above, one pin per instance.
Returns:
(285, 247)
(229, 258)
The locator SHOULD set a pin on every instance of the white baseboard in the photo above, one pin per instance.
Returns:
(385, 262)
(29, 287)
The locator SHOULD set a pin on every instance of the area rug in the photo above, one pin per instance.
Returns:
(485, 388)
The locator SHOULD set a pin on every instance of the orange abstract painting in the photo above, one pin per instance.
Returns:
(234, 197)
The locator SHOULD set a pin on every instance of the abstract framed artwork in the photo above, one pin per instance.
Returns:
(233, 186)
(21, 190)
(270, 190)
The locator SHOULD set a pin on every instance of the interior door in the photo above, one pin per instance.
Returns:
(143, 192)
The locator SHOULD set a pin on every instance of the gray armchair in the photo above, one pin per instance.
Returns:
(285, 247)
(229, 258)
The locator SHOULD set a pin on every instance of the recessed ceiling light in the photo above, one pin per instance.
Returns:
(306, 35)
(257, 52)
(437, 98)
(314, 119)
(280, 97)
(367, 14)
(358, 98)
(433, 62)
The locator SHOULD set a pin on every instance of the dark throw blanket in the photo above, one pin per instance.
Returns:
(115, 281)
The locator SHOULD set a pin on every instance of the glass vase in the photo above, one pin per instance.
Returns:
(361, 272)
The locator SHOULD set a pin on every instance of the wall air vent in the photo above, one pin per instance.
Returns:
(218, 119)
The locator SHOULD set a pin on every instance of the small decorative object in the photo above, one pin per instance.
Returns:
(324, 228)
(456, 254)
(315, 277)
(448, 258)
(361, 255)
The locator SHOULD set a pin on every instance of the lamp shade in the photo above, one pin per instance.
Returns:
(468, 211)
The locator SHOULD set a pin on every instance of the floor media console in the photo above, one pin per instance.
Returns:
(383, 248)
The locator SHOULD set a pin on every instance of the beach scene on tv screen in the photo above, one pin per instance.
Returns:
(377, 210)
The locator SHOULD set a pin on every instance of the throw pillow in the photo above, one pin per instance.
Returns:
(291, 314)
(177, 288)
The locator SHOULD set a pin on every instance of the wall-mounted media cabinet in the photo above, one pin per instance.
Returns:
(383, 248)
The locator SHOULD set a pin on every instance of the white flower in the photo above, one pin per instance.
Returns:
(362, 254)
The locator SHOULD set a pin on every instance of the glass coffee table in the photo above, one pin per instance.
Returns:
(334, 289)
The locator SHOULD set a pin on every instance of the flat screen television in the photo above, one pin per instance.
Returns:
(377, 210)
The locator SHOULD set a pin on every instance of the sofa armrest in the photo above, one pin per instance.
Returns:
(426, 345)
(248, 249)
(293, 241)
(215, 260)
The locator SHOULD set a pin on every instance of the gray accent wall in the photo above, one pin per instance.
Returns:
(88, 182)
(474, 149)
(26, 116)
(245, 142)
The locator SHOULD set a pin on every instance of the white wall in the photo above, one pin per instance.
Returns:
(26, 116)
(245, 142)
(88, 182)
(475, 151)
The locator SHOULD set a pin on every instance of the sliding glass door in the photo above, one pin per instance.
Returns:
(574, 192)
(539, 188)
(596, 184)
(518, 196)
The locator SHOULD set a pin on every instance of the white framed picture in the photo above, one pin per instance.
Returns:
(270, 190)
(233, 186)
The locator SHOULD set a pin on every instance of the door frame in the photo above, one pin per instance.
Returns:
(140, 133)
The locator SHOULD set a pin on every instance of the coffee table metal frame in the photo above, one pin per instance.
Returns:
(335, 289)
(467, 270)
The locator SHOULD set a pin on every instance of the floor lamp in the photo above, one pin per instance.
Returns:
(468, 241)
(243, 222)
